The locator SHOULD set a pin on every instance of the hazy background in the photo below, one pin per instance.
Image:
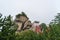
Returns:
(40, 10)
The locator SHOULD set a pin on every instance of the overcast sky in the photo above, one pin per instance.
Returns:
(40, 10)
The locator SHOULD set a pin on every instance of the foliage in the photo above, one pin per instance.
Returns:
(7, 32)
(8, 28)
(55, 28)
(56, 20)
(44, 26)
(27, 35)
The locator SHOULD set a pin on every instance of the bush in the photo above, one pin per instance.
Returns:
(27, 35)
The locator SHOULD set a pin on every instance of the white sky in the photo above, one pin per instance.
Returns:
(40, 10)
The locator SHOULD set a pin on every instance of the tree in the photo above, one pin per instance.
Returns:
(8, 28)
(55, 28)
(57, 19)
(27, 35)
(43, 25)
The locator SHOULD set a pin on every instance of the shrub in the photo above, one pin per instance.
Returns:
(27, 35)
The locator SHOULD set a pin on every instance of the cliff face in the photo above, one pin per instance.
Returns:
(23, 22)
